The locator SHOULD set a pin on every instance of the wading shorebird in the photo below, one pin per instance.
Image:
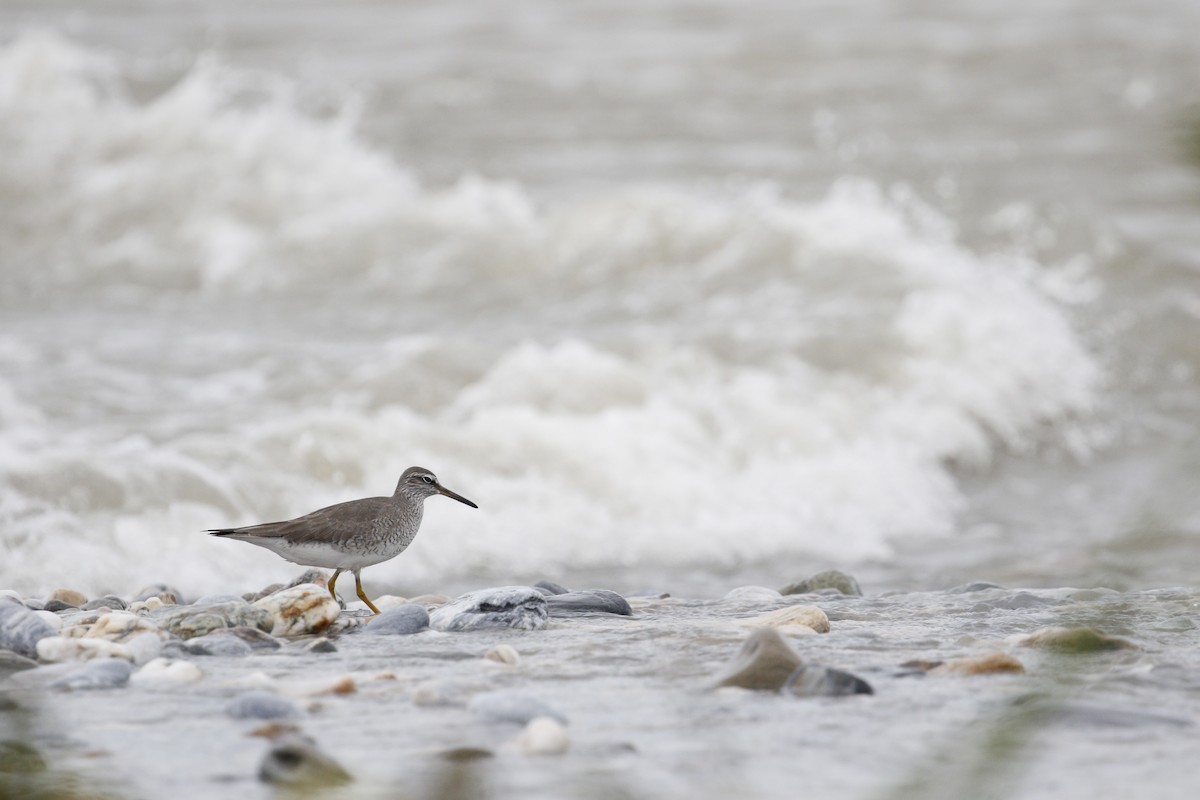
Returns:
(351, 535)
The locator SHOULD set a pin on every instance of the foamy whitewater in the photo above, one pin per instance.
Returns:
(222, 306)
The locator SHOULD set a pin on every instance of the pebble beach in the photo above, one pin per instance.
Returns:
(979, 690)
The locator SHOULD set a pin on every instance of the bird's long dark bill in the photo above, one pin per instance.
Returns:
(458, 497)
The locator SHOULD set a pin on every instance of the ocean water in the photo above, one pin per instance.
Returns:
(678, 293)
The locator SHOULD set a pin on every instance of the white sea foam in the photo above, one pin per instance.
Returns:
(653, 375)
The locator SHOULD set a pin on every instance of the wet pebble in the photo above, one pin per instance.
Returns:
(549, 587)
(543, 736)
(808, 616)
(109, 601)
(11, 663)
(399, 621)
(189, 622)
(978, 665)
(764, 662)
(519, 607)
(59, 649)
(507, 705)
(321, 645)
(386, 601)
(587, 601)
(261, 705)
(69, 597)
(503, 654)
(258, 640)
(54, 606)
(814, 680)
(829, 579)
(101, 673)
(1075, 640)
(120, 626)
(294, 762)
(21, 629)
(166, 593)
(167, 672)
(300, 610)
(218, 644)
(752, 594)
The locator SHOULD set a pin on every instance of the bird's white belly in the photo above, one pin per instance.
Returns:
(320, 555)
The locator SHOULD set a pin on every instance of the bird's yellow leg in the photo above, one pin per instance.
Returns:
(333, 583)
(363, 595)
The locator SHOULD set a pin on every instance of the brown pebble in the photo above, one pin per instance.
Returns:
(274, 730)
(69, 596)
(459, 754)
(764, 662)
(979, 665)
(344, 685)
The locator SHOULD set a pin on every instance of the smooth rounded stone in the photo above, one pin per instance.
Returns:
(808, 616)
(543, 736)
(258, 640)
(974, 586)
(508, 705)
(166, 672)
(503, 654)
(35, 604)
(145, 647)
(294, 762)
(518, 607)
(321, 645)
(1075, 640)
(69, 597)
(120, 626)
(550, 587)
(100, 673)
(10, 663)
(765, 662)
(587, 601)
(813, 680)
(429, 600)
(109, 601)
(399, 621)
(54, 606)
(52, 619)
(386, 601)
(189, 622)
(261, 705)
(21, 629)
(300, 610)
(11, 594)
(150, 604)
(218, 644)
(987, 664)
(829, 579)
(752, 594)
(59, 649)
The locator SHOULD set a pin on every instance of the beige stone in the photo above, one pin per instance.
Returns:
(987, 664)
(810, 616)
(69, 596)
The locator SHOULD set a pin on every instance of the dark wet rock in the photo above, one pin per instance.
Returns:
(294, 762)
(765, 662)
(99, 673)
(587, 601)
(813, 680)
(11, 662)
(258, 640)
(261, 705)
(108, 601)
(168, 594)
(507, 705)
(550, 587)
(975, 586)
(464, 754)
(399, 620)
(218, 644)
(1075, 640)
(829, 579)
(189, 622)
(21, 629)
(519, 607)
(321, 645)
(56, 606)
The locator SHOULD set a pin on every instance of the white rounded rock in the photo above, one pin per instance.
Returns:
(167, 672)
(503, 654)
(300, 610)
(57, 649)
(543, 736)
(753, 594)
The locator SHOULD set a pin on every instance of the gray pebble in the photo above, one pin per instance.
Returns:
(21, 629)
(829, 579)
(321, 645)
(218, 644)
(261, 705)
(99, 673)
(399, 620)
(192, 621)
(764, 662)
(108, 601)
(258, 640)
(10, 662)
(34, 604)
(519, 607)
(587, 601)
(507, 705)
(549, 587)
(156, 589)
(975, 586)
(215, 599)
(58, 605)
(813, 680)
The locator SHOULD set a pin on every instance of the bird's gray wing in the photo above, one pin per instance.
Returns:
(330, 524)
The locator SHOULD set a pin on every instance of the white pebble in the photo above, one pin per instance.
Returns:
(51, 619)
(543, 736)
(55, 649)
(144, 647)
(755, 594)
(165, 671)
(503, 654)
(386, 601)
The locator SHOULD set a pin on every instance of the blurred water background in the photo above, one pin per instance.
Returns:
(683, 294)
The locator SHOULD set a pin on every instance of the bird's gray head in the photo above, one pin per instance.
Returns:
(419, 483)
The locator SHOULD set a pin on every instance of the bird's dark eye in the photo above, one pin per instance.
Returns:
(427, 478)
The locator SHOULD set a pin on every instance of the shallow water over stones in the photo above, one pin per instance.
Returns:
(644, 718)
